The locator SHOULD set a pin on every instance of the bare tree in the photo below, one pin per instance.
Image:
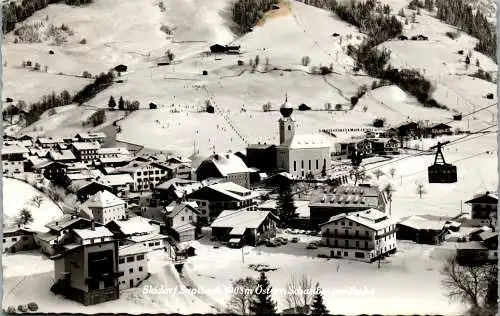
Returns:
(299, 291)
(392, 172)
(266, 107)
(471, 283)
(306, 60)
(328, 106)
(37, 200)
(24, 217)
(243, 294)
(378, 173)
(420, 189)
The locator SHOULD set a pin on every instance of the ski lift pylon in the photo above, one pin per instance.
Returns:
(440, 171)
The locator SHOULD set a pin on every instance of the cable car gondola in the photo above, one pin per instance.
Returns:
(440, 171)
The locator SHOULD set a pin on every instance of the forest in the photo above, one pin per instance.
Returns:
(246, 13)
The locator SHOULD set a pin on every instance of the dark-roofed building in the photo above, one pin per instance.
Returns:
(384, 146)
(85, 188)
(484, 209)
(262, 157)
(175, 189)
(227, 166)
(90, 137)
(49, 142)
(57, 229)
(441, 129)
(345, 199)
(422, 230)
(181, 219)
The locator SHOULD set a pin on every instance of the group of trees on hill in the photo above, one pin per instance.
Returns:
(13, 13)
(461, 15)
(247, 12)
(101, 82)
(49, 101)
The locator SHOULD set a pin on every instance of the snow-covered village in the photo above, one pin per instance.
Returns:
(250, 157)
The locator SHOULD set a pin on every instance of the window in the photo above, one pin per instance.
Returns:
(131, 270)
(357, 233)
(122, 260)
(346, 243)
(14, 239)
(140, 269)
(366, 244)
(346, 253)
(182, 217)
(289, 127)
(357, 243)
(342, 223)
(359, 255)
(102, 239)
(140, 257)
(157, 243)
(366, 233)
(339, 253)
(130, 259)
(309, 164)
(350, 223)
(294, 165)
(324, 162)
(302, 164)
(190, 218)
(4, 240)
(346, 232)
(151, 244)
(317, 163)
(25, 238)
(139, 173)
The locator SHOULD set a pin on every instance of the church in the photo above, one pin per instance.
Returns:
(300, 154)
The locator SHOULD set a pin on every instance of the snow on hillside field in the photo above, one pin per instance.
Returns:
(17, 195)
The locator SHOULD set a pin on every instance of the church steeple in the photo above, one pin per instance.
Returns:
(286, 123)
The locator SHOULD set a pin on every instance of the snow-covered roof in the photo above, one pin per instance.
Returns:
(348, 196)
(175, 208)
(13, 148)
(183, 228)
(132, 249)
(301, 141)
(61, 155)
(234, 240)
(487, 198)
(418, 222)
(234, 190)
(119, 158)
(63, 222)
(487, 235)
(48, 237)
(228, 163)
(84, 175)
(149, 237)
(113, 150)
(131, 227)
(471, 245)
(115, 179)
(50, 140)
(371, 218)
(97, 232)
(103, 199)
(245, 219)
(86, 145)
(97, 135)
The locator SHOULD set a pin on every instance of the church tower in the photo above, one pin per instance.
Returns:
(286, 123)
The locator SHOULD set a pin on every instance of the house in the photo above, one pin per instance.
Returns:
(175, 189)
(181, 219)
(154, 241)
(181, 167)
(422, 230)
(133, 263)
(384, 146)
(85, 152)
(213, 199)
(345, 199)
(57, 230)
(90, 137)
(490, 241)
(483, 209)
(105, 207)
(86, 266)
(64, 156)
(365, 235)
(145, 174)
(84, 189)
(251, 227)
(117, 161)
(135, 226)
(120, 183)
(300, 155)
(441, 129)
(18, 238)
(13, 157)
(472, 252)
(217, 48)
(227, 166)
(262, 156)
(49, 142)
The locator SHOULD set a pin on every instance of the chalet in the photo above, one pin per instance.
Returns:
(13, 157)
(422, 230)
(262, 156)
(133, 264)
(136, 226)
(53, 171)
(85, 151)
(483, 209)
(146, 174)
(154, 241)
(345, 199)
(120, 183)
(472, 252)
(76, 171)
(365, 236)
(63, 156)
(217, 48)
(280, 179)
(58, 229)
(227, 166)
(384, 146)
(349, 147)
(175, 189)
(86, 266)
(36, 164)
(49, 142)
(441, 129)
(213, 199)
(490, 241)
(18, 239)
(116, 161)
(90, 137)
(250, 227)
(402, 38)
(181, 220)
(105, 207)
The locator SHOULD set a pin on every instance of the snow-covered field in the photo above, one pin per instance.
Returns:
(17, 195)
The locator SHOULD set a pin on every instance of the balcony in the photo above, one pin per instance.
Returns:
(361, 247)
(344, 236)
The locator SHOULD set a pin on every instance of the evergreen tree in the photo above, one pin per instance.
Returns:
(286, 206)
(263, 303)
(111, 102)
(25, 217)
(121, 104)
(318, 307)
